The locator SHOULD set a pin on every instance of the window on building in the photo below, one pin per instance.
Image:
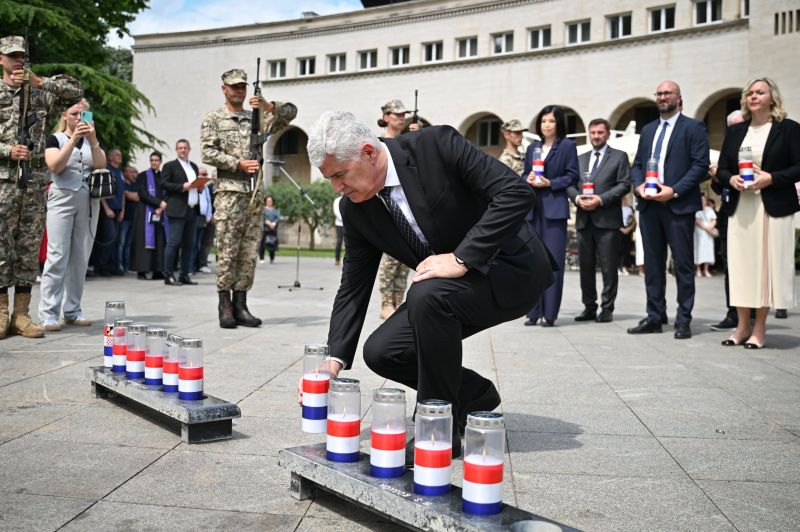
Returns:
(467, 47)
(707, 11)
(432, 51)
(662, 19)
(578, 32)
(745, 8)
(368, 59)
(619, 26)
(306, 66)
(398, 55)
(277, 69)
(540, 38)
(488, 133)
(503, 43)
(337, 63)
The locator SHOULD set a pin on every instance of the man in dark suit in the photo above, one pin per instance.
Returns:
(680, 147)
(599, 217)
(183, 209)
(453, 214)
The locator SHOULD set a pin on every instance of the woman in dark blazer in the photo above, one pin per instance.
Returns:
(551, 212)
(761, 221)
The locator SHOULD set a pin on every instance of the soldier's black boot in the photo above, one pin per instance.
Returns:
(226, 319)
(240, 312)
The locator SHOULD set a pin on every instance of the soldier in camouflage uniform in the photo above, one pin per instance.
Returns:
(225, 144)
(511, 156)
(23, 212)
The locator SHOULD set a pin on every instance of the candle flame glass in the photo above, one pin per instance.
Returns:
(344, 397)
(434, 422)
(154, 343)
(389, 410)
(115, 310)
(314, 359)
(172, 347)
(485, 435)
(190, 354)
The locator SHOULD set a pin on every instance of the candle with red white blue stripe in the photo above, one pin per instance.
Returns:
(172, 346)
(190, 370)
(537, 165)
(433, 448)
(651, 178)
(484, 450)
(154, 356)
(115, 310)
(316, 381)
(344, 420)
(746, 169)
(120, 349)
(588, 186)
(134, 355)
(387, 455)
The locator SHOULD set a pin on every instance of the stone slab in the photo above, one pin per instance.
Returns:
(208, 419)
(392, 498)
(24, 512)
(756, 505)
(18, 419)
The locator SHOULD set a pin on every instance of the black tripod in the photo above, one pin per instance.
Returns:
(296, 284)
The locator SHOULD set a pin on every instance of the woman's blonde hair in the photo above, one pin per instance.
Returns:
(776, 108)
(62, 123)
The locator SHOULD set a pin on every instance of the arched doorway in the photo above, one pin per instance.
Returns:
(483, 130)
(576, 130)
(290, 147)
(714, 111)
(639, 110)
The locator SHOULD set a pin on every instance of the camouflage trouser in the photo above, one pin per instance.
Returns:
(21, 228)
(393, 275)
(238, 234)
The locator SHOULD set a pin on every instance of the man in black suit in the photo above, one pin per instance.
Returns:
(680, 147)
(453, 214)
(607, 173)
(183, 209)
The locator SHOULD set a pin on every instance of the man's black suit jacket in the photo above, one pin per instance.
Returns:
(465, 202)
(173, 176)
(612, 180)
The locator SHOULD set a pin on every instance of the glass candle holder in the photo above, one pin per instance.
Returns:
(433, 447)
(344, 420)
(154, 356)
(172, 346)
(316, 381)
(120, 348)
(746, 170)
(484, 450)
(134, 356)
(537, 165)
(190, 369)
(387, 456)
(651, 178)
(115, 310)
(588, 185)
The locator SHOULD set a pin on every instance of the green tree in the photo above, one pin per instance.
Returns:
(297, 208)
(69, 36)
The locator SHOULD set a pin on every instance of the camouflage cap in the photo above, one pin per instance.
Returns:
(513, 125)
(394, 106)
(11, 44)
(234, 76)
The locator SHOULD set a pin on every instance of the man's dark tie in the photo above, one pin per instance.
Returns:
(420, 249)
(596, 163)
(659, 142)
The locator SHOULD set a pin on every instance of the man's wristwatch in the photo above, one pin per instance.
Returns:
(674, 195)
(461, 262)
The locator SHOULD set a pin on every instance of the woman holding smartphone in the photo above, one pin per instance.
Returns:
(70, 154)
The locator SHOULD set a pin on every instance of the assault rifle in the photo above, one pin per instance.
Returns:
(26, 120)
(257, 138)
(415, 112)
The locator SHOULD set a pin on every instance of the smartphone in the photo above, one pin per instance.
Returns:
(87, 117)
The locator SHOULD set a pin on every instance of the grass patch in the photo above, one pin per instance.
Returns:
(287, 251)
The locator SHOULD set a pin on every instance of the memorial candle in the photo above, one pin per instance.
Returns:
(120, 345)
(172, 347)
(134, 354)
(115, 310)
(190, 369)
(344, 421)
(387, 456)
(433, 449)
(484, 448)
(154, 356)
(316, 381)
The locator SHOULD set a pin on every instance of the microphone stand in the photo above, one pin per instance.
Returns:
(296, 284)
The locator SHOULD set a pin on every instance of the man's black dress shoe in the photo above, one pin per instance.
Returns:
(781, 314)
(605, 316)
(157, 276)
(682, 331)
(586, 315)
(530, 322)
(170, 280)
(184, 279)
(645, 328)
(664, 320)
(724, 325)
(486, 401)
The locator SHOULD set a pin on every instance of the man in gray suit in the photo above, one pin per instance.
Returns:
(605, 180)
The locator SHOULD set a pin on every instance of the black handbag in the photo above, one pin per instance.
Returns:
(102, 184)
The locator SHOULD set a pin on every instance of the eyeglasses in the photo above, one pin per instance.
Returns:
(665, 94)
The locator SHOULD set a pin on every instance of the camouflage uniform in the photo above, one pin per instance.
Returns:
(393, 279)
(224, 141)
(513, 159)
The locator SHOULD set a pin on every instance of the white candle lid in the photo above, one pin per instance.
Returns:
(485, 420)
(345, 385)
(317, 349)
(434, 407)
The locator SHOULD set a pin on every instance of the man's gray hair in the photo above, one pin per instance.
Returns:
(340, 134)
(735, 117)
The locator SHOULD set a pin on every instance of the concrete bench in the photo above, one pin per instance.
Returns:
(209, 419)
(394, 498)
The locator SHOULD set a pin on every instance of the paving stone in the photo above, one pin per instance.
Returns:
(17, 419)
(107, 515)
(22, 511)
(328, 512)
(574, 419)
(756, 505)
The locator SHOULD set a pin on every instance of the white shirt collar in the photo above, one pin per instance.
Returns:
(602, 150)
(671, 121)
(392, 179)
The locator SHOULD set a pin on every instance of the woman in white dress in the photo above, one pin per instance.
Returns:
(705, 227)
(761, 210)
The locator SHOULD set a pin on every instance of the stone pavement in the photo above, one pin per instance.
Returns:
(606, 431)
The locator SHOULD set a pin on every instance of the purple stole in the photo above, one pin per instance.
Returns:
(150, 229)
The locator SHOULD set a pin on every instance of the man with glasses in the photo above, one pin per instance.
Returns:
(680, 146)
